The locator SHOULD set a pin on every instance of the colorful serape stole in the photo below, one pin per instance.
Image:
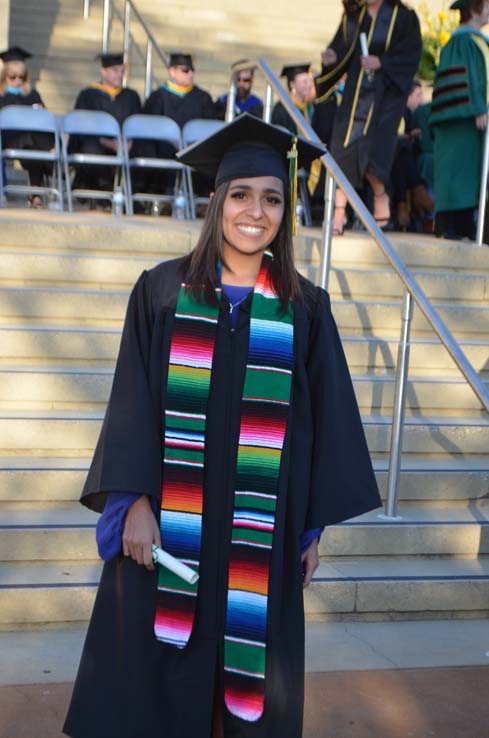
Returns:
(264, 410)
(189, 377)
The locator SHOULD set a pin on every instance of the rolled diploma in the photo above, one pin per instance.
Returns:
(364, 44)
(170, 562)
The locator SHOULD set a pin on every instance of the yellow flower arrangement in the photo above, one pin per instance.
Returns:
(436, 29)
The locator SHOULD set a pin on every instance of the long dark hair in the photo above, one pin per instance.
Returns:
(200, 266)
(352, 7)
(473, 6)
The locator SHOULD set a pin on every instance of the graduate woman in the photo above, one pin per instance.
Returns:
(376, 90)
(232, 436)
(15, 89)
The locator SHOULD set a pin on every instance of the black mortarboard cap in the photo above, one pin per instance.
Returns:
(458, 5)
(14, 53)
(179, 58)
(248, 147)
(110, 60)
(291, 70)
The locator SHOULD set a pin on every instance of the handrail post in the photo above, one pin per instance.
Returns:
(86, 9)
(127, 37)
(327, 234)
(483, 192)
(231, 101)
(149, 69)
(267, 110)
(399, 408)
(106, 26)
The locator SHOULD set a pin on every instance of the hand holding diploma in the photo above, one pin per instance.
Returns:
(177, 567)
(370, 63)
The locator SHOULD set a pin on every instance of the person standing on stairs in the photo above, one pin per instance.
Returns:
(231, 430)
(376, 89)
(459, 120)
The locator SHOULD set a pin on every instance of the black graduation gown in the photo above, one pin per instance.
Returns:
(129, 685)
(121, 106)
(195, 104)
(27, 139)
(365, 131)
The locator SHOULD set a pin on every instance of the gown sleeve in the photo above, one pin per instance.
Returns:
(343, 483)
(401, 60)
(128, 453)
(330, 75)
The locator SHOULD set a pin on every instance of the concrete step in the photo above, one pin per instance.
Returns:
(107, 307)
(74, 433)
(38, 267)
(84, 386)
(32, 343)
(360, 588)
(437, 481)
(66, 532)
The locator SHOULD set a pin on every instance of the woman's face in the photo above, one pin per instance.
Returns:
(252, 213)
(15, 73)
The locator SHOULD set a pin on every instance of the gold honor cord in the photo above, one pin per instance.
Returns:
(391, 27)
(344, 61)
(292, 157)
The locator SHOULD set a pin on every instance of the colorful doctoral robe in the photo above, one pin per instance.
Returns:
(460, 94)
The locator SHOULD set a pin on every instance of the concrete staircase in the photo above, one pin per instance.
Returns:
(63, 289)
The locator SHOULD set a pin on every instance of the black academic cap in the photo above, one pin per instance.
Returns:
(181, 59)
(291, 70)
(110, 60)
(248, 147)
(458, 5)
(14, 53)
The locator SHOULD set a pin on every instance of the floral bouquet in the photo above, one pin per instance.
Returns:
(436, 28)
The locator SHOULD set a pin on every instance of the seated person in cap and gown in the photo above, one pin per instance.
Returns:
(15, 89)
(232, 436)
(376, 89)
(180, 99)
(111, 97)
(406, 180)
(246, 101)
(300, 84)
(459, 120)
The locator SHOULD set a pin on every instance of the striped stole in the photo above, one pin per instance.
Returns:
(264, 410)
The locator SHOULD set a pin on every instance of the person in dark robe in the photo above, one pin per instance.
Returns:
(15, 89)
(459, 121)
(377, 86)
(246, 101)
(231, 437)
(109, 96)
(180, 99)
(409, 193)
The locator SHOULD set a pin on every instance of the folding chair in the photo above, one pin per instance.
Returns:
(155, 128)
(196, 130)
(23, 118)
(93, 123)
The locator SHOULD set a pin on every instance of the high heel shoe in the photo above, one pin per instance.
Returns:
(383, 221)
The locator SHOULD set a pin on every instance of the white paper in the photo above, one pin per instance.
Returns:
(364, 44)
(170, 562)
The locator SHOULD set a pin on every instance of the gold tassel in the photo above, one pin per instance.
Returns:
(292, 157)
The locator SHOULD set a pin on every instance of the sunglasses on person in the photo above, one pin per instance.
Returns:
(185, 70)
(246, 80)
(14, 76)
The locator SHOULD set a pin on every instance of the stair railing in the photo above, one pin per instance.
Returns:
(130, 12)
(413, 293)
(479, 239)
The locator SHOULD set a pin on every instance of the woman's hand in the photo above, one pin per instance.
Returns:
(310, 560)
(370, 63)
(481, 122)
(329, 57)
(140, 532)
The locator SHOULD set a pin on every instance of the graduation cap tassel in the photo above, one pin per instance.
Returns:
(292, 157)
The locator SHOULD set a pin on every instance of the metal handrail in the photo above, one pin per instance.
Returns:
(413, 291)
(151, 45)
(479, 239)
